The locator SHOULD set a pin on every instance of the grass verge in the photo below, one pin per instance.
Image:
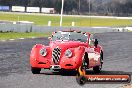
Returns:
(67, 21)
(129, 30)
(13, 35)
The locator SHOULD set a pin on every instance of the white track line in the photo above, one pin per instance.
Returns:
(33, 37)
(21, 38)
(18, 38)
(3, 40)
(11, 39)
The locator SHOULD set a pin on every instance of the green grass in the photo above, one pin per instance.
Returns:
(79, 21)
(129, 31)
(13, 35)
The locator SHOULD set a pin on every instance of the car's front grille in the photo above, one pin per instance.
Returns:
(56, 55)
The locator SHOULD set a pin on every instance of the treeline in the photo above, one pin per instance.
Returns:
(117, 8)
(97, 7)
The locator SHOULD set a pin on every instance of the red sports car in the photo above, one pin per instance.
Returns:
(67, 50)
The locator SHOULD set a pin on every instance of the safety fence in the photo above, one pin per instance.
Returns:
(34, 28)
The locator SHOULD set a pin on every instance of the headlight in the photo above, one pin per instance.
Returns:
(68, 53)
(43, 52)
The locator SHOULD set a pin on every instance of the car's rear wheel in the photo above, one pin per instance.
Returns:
(97, 69)
(35, 70)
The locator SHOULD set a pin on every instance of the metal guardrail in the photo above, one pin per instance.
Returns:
(34, 28)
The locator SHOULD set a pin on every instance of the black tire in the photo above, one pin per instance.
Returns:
(35, 70)
(85, 61)
(97, 69)
(101, 56)
(85, 64)
(81, 80)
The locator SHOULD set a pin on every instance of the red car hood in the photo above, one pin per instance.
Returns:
(66, 44)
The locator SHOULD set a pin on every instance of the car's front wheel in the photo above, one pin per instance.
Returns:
(81, 80)
(35, 70)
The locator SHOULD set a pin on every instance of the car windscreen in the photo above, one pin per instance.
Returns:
(73, 36)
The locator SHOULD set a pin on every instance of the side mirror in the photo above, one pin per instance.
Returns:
(49, 38)
(96, 43)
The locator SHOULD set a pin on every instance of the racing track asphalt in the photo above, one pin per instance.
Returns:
(15, 68)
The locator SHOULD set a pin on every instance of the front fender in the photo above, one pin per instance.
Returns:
(75, 61)
(35, 56)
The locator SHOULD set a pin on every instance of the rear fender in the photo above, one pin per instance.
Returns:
(99, 49)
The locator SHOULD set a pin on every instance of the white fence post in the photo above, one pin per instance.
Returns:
(73, 23)
(49, 23)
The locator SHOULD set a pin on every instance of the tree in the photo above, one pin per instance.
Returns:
(69, 5)
(58, 6)
(5, 2)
